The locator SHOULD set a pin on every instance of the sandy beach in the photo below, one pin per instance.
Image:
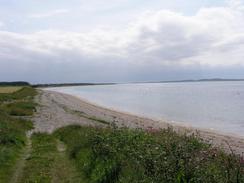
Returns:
(57, 110)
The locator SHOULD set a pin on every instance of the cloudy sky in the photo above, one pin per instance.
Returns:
(120, 40)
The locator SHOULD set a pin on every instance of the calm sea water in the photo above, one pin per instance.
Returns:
(209, 105)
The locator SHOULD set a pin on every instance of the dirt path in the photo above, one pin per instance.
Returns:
(64, 170)
(22, 160)
(57, 110)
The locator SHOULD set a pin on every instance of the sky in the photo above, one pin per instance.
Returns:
(43, 41)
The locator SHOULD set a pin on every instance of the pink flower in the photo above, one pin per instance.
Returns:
(150, 129)
(242, 159)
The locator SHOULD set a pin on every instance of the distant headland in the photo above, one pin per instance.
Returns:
(44, 85)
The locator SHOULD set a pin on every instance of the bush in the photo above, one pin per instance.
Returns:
(123, 155)
(20, 108)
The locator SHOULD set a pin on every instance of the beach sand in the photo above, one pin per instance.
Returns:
(57, 110)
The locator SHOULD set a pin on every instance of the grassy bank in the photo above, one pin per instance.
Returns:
(9, 89)
(40, 163)
(13, 128)
(96, 155)
(48, 162)
(123, 155)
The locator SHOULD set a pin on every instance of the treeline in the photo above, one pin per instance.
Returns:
(68, 84)
(15, 83)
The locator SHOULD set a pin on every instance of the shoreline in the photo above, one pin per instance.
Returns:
(166, 121)
(169, 122)
(61, 109)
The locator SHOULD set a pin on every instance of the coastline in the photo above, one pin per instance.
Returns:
(59, 109)
(171, 123)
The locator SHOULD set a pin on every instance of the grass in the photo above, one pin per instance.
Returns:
(42, 162)
(12, 141)
(20, 108)
(83, 115)
(18, 103)
(92, 118)
(64, 169)
(13, 130)
(9, 89)
(47, 164)
(25, 93)
(39, 164)
(123, 155)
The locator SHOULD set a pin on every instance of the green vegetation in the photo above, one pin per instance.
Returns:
(39, 164)
(20, 108)
(12, 141)
(15, 83)
(13, 129)
(123, 155)
(9, 89)
(19, 103)
(92, 118)
(77, 154)
(25, 93)
(47, 163)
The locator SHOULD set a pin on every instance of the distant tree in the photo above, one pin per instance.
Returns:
(15, 83)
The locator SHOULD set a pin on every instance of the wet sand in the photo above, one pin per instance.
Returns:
(57, 110)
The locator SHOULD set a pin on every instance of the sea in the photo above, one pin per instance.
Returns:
(217, 106)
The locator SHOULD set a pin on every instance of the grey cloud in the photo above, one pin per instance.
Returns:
(159, 45)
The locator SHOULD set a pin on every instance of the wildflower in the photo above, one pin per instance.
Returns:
(242, 160)
(152, 130)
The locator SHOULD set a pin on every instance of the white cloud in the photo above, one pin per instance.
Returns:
(1, 24)
(236, 4)
(50, 13)
(212, 37)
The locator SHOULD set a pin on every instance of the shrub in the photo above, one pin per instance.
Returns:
(20, 108)
(124, 155)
